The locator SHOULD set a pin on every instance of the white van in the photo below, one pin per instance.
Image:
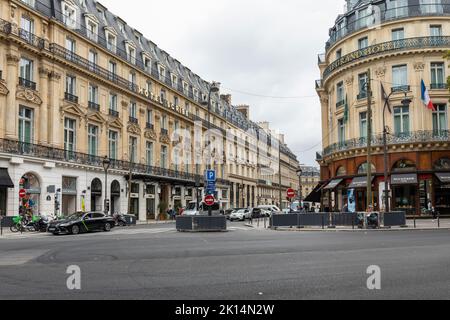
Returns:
(192, 210)
(271, 208)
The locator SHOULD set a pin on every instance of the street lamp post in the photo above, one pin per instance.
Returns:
(405, 102)
(299, 174)
(106, 164)
(214, 88)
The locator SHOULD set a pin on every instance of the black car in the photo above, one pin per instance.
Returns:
(82, 222)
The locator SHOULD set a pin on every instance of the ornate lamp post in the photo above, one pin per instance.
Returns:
(106, 164)
(299, 174)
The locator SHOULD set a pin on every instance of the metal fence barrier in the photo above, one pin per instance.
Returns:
(394, 219)
(201, 223)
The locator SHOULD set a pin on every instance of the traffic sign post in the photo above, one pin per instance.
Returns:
(290, 195)
(209, 200)
(210, 178)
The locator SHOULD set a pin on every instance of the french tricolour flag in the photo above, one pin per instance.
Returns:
(426, 97)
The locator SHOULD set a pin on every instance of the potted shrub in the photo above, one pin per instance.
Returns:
(163, 211)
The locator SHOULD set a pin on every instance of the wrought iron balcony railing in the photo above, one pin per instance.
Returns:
(94, 106)
(164, 132)
(70, 97)
(394, 139)
(49, 153)
(439, 86)
(27, 83)
(150, 126)
(401, 88)
(113, 113)
(133, 120)
(385, 48)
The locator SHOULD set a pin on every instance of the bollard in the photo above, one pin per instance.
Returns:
(414, 221)
(439, 220)
(323, 222)
(258, 222)
(353, 223)
(1, 225)
(265, 222)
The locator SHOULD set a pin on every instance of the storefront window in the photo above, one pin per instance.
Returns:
(30, 204)
(405, 198)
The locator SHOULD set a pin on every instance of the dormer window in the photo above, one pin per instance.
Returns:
(69, 12)
(92, 27)
(174, 79)
(121, 27)
(162, 73)
(131, 52)
(147, 62)
(185, 88)
(195, 95)
(111, 42)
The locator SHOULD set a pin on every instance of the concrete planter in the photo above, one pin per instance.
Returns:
(201, 224)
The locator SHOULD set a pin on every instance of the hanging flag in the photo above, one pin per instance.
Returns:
(346, 110)
(426, 97)
(83, 204)
(385, 98)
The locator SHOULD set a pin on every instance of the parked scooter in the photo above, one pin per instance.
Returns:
(119, 220)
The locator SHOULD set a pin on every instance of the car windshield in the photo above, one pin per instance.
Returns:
(76, 216)
(191, 206)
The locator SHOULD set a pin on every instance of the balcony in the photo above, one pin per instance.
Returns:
(404, 88)
(113, 113)
(93, 106)
(439, 86)
(424, 137)
(133, 120)
(70, 97)
(387, 48)
(149, 126)
(362, 95)
(340, 103)
(27, 84)
(164, 132)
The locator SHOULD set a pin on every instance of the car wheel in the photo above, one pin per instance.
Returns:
(75, 230)
(107, 227)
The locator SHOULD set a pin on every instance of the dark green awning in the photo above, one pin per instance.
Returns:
(5, 179)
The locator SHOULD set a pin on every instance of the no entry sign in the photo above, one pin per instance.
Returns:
(209, 200)
(22, 193)
(291, 193)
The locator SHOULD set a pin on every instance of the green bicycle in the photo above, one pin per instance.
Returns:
(19, 225)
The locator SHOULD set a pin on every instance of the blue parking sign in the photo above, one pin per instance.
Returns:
(211, 175)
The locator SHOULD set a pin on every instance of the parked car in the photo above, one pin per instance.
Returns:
(240, 215)
(192, 210)
(272, 209)
(257, 213)
(82, 222)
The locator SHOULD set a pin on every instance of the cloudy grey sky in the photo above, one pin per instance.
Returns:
(262, 47)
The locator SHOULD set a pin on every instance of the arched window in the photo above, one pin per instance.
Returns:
(404, 165)
(362, 169)
(31, 202)
(96, 187)
(341, 172)
(442, 164)
(115, 189)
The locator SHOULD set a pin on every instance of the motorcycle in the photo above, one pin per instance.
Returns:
(119, 220)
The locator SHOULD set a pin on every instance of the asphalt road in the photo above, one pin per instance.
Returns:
(158, 263)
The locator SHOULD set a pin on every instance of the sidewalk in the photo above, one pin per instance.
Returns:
(150, 222)
(421, 225)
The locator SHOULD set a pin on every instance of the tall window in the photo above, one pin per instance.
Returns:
(113, 144)
(26, 119)
(92, 140)
(431, 6)
(401, 120)
(131, 54)
(133, 110)
(363, 124)
(26, 28)
(26, 69)
(437, 75)
(133, 149)
(340, 93)
(149, 116)
(112, 66)
(163, 95)
(164, 157)
(440, 119)
(436, 31)
(338, 54)
(364, 17)
(92, 30)
(132, 80)
(164, 122)
(71, 85)
(398, 34)
(147, 64)
(69, 136)
(400, 77)
(93, 94)
(93, 59)
(396, 8)
(69, 14)
(363, 43)
(149, 153)
(362, 81)
(111, 42)
(341, 131)
(70, 45)
(113, 101)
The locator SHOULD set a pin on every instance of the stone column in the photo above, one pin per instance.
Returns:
(43, 115)
(12, 80)
(55, 134)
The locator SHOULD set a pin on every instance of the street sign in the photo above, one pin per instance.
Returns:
(22, 193)
(210, 175)
(291, 193)
(209, 200)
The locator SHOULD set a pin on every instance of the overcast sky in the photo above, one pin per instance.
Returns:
(261, 47)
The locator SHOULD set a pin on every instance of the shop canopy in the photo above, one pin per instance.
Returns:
(5, 179)
(404, 179)
(333, 184)
(444, 177)
(315, 195)
(359, 182)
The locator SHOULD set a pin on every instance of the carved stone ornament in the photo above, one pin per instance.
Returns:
(3, 89)
(349, 81)
(380, 72)
(116, 123)
(150, 134)
(28, 95)
(55, 75)
(12, 59)
(13, 10)
(72, 109)
(134, 129)
(124, 104)
(164, 139)
(419, 66)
